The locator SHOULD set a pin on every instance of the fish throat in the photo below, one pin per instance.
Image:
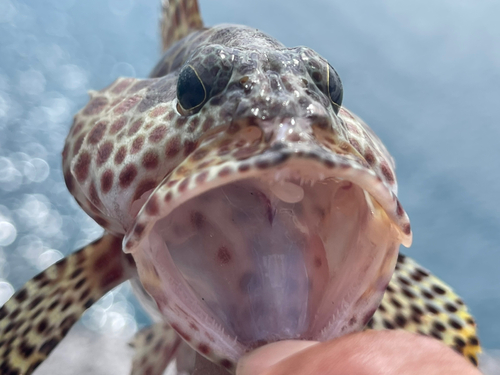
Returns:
(292, 252)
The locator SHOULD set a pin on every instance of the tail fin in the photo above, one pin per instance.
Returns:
(41, 313)
(179, 18)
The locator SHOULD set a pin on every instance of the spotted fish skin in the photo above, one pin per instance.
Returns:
(132, 154)
(131, 134)
(417, 301)
(41, 313)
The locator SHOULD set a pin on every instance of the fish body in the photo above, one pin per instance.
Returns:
(238, 180)
(251, 207)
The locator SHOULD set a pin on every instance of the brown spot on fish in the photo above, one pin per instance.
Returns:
(107, 181)
(158, 111)
(427, 294)
(244, 167)
(208, 123)
(78, 144)
(81, 168)
(135, 127)
(95, 106)
(199, 154)
(369, 157)
(181, 121)
(97, 133)
(157, 134)
(150, 160)
(127, 104)
(152, 207)
(226, 171)
(181, 333)
(224, 255)
(408, 293)
(21, 295)
(432, 309)
(118, 125)
(407, 229)
(68, 179)
(173, 147)
(472, 359)
(183, 185)
(137, 145)
(400, 320)
(452, 322)
(203, 349)
(48, 346)
(127, 176)
(197, 220)
(103, 153)
(396, 303)
(459, 342)
(436, 335)
(437, 289)
(189, 147)
(120, 155)
(388, 324)
(227, 364)
(77, 128)
(201, 177)
(121, 86)
(193, 124)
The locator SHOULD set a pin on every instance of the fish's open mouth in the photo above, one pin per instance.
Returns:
(267, 256)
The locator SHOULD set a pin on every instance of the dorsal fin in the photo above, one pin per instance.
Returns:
(40, 314)
(179, 18)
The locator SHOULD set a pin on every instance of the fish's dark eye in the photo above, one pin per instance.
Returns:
(191, 91)
(335, 89)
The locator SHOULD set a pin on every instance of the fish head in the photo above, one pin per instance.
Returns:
(256, 207)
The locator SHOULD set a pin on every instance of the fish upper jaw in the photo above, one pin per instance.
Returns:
(286, 240)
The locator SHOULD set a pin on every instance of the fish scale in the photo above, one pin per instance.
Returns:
(251, 206)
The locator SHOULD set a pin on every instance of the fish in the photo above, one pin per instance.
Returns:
(244, 203)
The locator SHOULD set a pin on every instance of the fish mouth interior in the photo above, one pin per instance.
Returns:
(264, 260)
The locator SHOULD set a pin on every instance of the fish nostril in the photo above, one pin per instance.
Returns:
(246, 84)
(322, 123)
(277, 146)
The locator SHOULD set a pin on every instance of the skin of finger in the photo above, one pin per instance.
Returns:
(364, 353)
(261, 359)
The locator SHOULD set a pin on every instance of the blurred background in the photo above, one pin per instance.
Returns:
(424, 74)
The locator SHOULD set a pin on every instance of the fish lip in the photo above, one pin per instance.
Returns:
(273, 160)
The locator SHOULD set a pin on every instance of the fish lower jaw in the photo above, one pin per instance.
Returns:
(260, 260)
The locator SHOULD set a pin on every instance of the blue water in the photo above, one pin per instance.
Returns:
(425, 74)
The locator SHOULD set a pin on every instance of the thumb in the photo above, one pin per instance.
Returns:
(257, 361)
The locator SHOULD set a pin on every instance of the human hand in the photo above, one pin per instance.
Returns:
(363, 353)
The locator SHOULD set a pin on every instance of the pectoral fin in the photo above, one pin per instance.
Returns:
(40, 314)
(419, 302)
(156, 347)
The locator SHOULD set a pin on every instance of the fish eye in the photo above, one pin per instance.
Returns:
(335, 90)
(191, 92)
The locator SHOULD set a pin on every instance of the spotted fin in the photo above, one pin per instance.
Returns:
(158, 345)
(41, 313)
(179, 18)
(419, 302)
